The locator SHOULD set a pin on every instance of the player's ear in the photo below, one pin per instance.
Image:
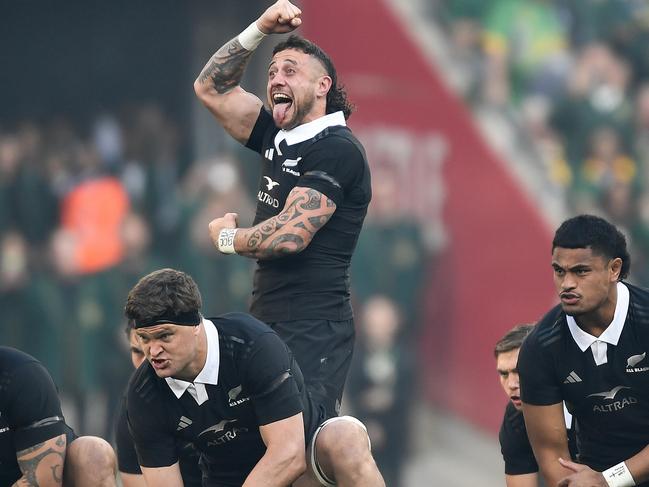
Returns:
(324, 85)
(615, 269)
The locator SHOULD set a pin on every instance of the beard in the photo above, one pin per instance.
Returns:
(301, 112)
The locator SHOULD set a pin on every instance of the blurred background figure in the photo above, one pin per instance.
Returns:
(381, 383)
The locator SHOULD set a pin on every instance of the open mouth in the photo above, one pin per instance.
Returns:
(281, 103)
(158, 362)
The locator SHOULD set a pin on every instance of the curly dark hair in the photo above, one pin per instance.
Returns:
(337, 96)
(589, 231)
(162, 292)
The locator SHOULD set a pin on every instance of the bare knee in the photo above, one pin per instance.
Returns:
(90, 461)
(343, 449)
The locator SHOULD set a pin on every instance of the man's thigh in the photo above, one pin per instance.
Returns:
(323, 350)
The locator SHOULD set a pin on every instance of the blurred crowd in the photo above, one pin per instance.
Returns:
(573, 76)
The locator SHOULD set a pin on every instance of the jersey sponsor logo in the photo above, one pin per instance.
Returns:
(218, 427)
(610, 396)
(572, 378)
(233, 397)
(634, 360)
(289, 164)
(222, 434)
(269, 154)
(183, 423)
(4, 430)
(268, 199)
(270, 184)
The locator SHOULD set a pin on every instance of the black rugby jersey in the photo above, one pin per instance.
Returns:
(30, 409)
(325, 156)
(515, 445)
(127, 457)
(610, 402)
(258, 383)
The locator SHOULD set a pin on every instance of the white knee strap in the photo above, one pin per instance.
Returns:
(315, 466)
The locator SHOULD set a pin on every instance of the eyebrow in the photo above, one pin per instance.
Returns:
(507, 371)
(575, 267)
(154, 334)
(274, 61)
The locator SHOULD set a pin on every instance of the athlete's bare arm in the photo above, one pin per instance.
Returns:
(306, 211)
(132, 480)
(42, 464)
(523, 480)
(546, 428)
(584, 476)
(285, 458)
(167, 476)
(217, 86)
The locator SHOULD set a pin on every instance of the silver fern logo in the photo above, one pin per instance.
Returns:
(634, 360)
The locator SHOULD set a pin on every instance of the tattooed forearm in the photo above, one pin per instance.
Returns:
(225, 68)
(291, 231)
(42, 464)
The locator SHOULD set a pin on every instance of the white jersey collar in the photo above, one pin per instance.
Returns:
(612, 333)
(210, 372)
(309, 130)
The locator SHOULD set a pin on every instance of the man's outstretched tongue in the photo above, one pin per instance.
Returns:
(279, 112)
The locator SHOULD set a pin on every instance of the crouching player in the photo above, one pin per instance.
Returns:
(230, 386)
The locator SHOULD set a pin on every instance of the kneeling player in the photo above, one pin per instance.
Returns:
(230, 386)
(521, 468)
(37, 448)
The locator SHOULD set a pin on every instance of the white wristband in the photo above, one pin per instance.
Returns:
(618, 476)
(251, 37)
(226, 240)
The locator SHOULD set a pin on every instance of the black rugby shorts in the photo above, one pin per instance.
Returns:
(323, 350)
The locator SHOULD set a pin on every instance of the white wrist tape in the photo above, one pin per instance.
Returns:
(251, 37)
(226, 240)
(618, 476)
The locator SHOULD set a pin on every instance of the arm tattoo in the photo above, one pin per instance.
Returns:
(29, 466)
(225, 68)
(306, 211)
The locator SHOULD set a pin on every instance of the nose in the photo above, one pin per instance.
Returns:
(155, 349)
(512, 381)
(278, 80)
(568, 282)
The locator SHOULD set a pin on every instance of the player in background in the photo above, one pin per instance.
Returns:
(521, 468)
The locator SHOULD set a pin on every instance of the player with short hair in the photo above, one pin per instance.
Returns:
(591, 352)
(520, 465)
(521, 468)
(37, 448)
(230, 386)
(127, 461)
(312, 199)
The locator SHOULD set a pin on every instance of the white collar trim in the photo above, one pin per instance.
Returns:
(210, 372)
(309, 130)
(612, 333)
